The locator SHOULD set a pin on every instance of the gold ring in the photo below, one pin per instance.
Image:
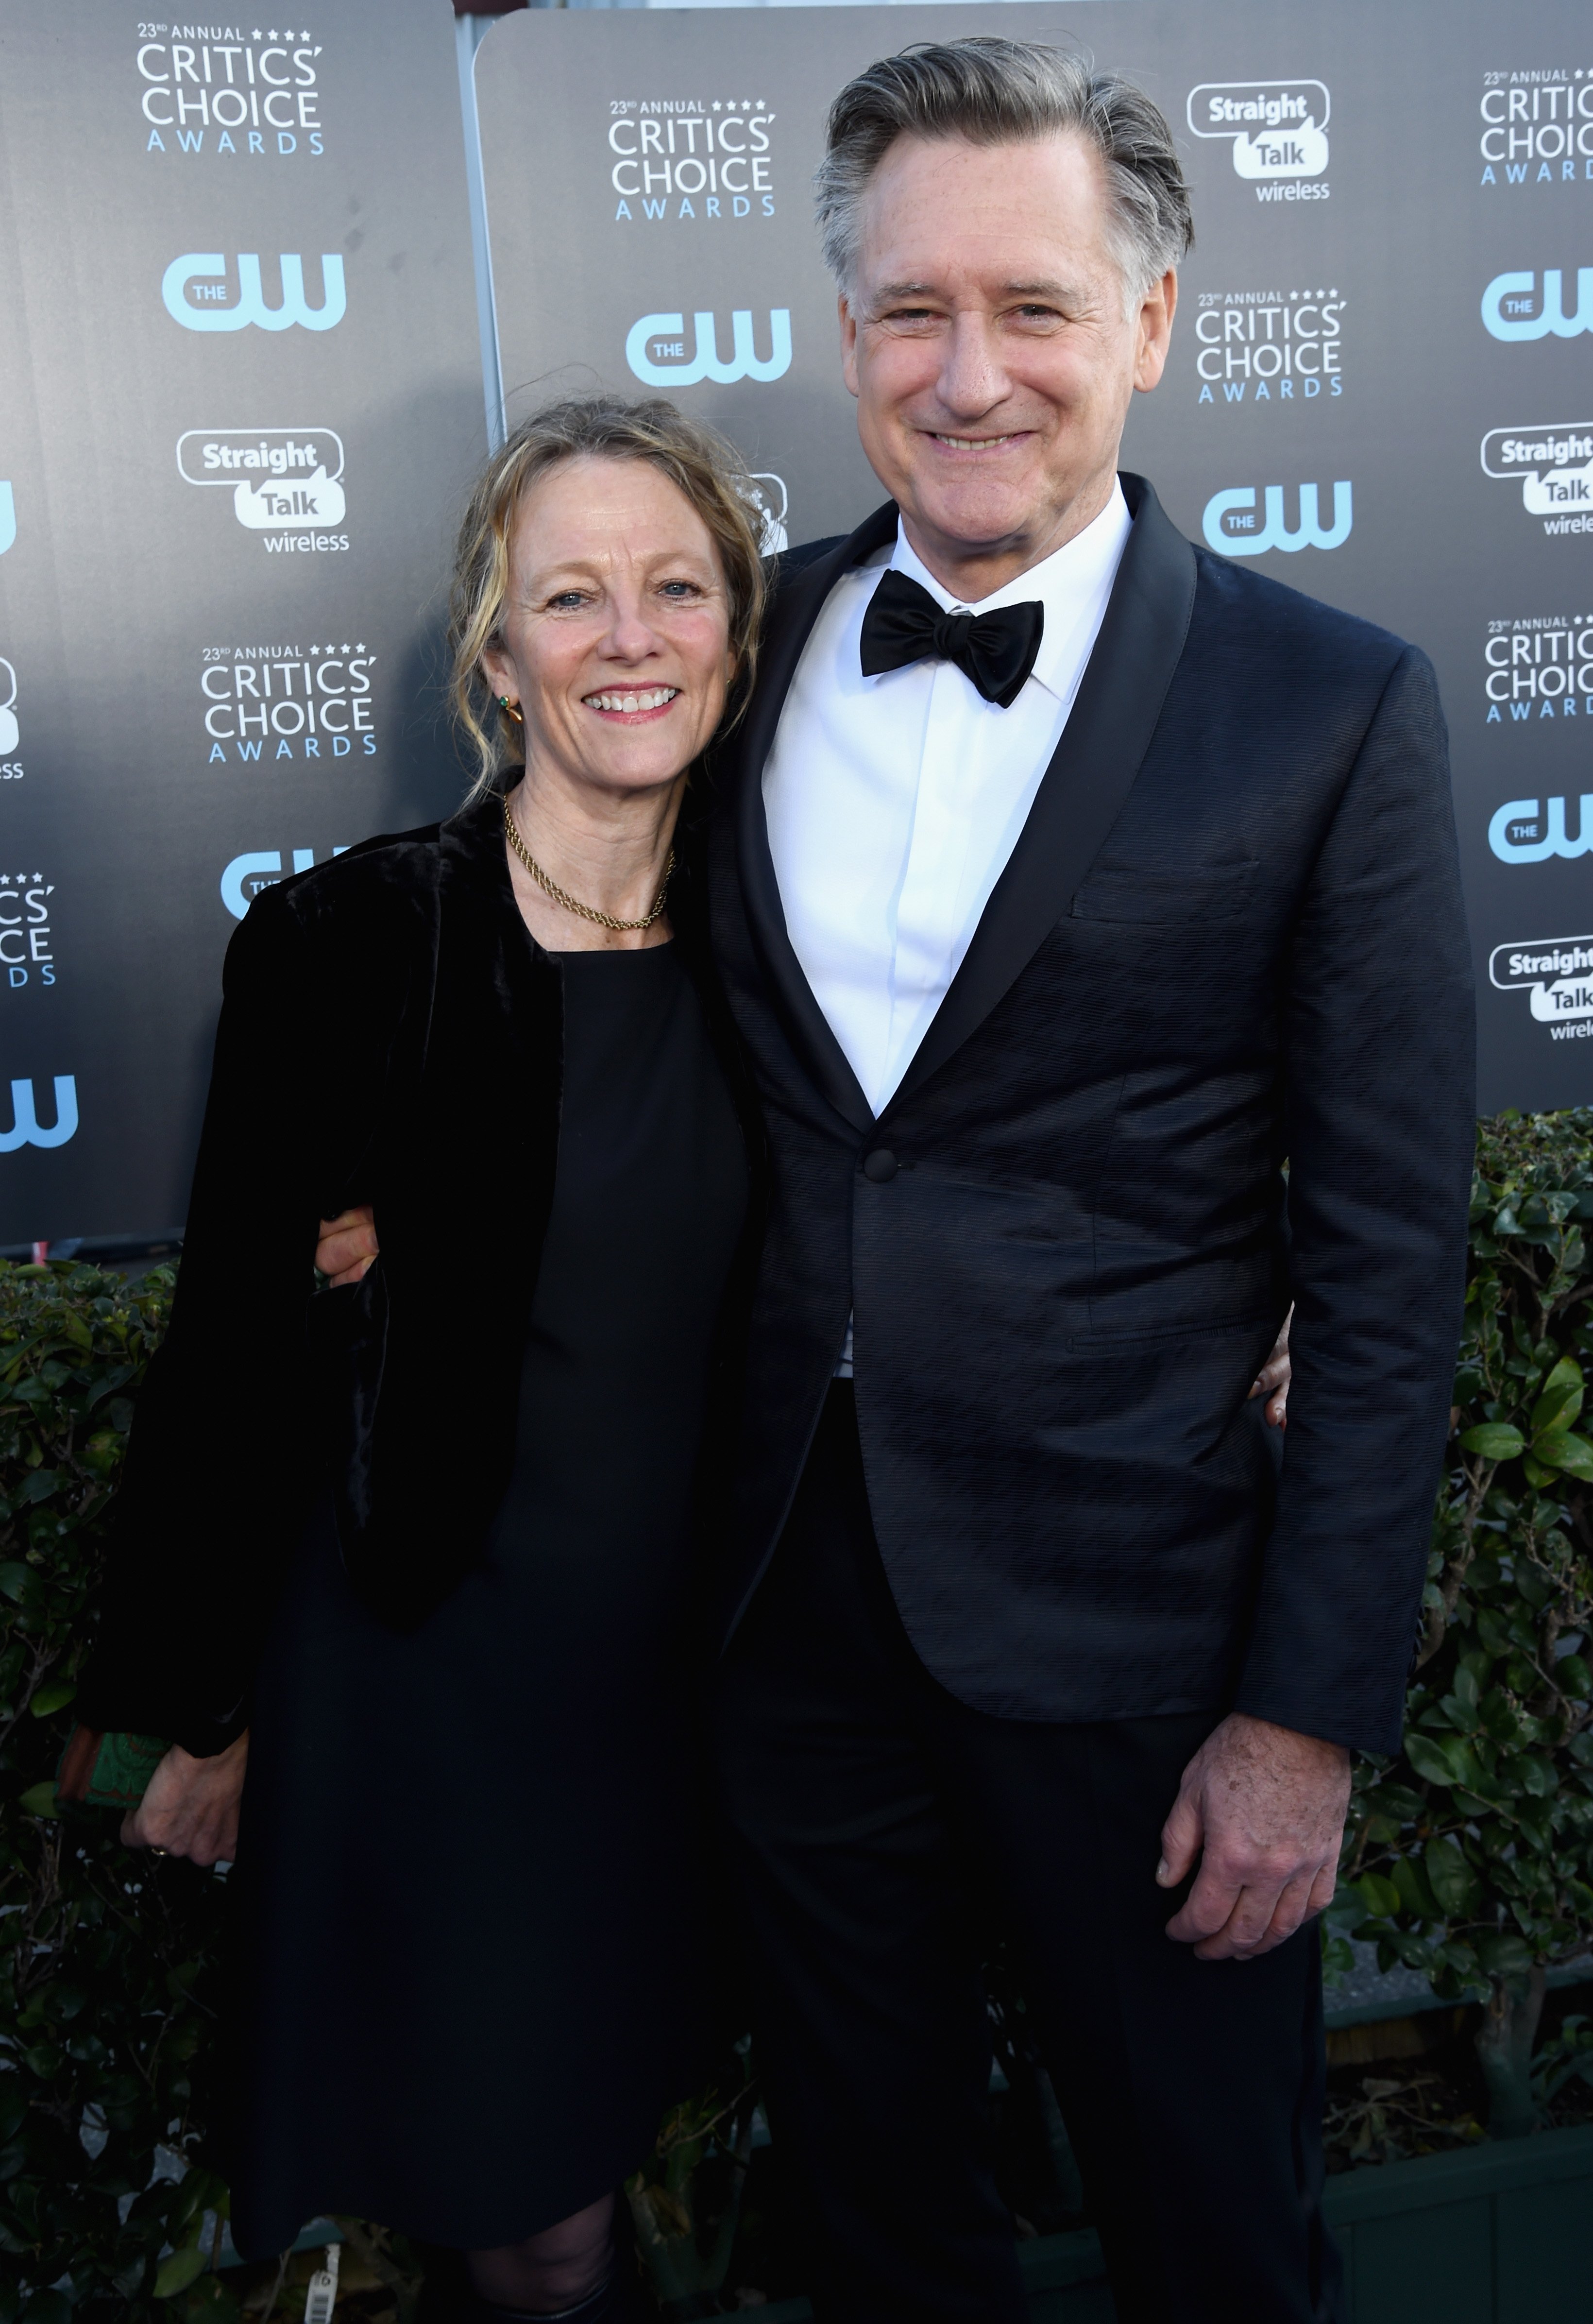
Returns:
(160, 1851)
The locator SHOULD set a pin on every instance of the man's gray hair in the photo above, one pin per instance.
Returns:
(996, 92)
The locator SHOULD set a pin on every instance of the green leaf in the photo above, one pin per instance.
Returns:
(40, 1486)
(1561, 1399)
(1452, 1879)
(1561, 1450)
(1505, 1954)
(19, 1583)
(1494, 1440)
(1380, 1897)
(1429, 1762)
(39, 1799)
(178, 2270)
(53, 1697)
(1415, 1895)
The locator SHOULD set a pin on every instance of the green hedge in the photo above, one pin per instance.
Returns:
(1470, 1857)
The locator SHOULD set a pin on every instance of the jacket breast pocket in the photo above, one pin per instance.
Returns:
(1167, 898)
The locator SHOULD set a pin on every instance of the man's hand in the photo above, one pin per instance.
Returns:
(1264, 1810)
(191, 1806)
(1272, 1380)
(349, 1244)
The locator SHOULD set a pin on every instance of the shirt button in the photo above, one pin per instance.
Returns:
(880, 1165)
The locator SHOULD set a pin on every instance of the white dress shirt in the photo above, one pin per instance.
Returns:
(893, 802)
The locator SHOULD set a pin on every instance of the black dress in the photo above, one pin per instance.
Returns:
(472, 1964)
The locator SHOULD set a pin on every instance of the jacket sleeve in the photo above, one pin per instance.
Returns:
(222, 1447)
(1381, 1100)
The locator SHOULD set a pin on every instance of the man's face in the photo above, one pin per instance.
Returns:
(989, 343)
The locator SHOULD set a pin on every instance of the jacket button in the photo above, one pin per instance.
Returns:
(880, 1165)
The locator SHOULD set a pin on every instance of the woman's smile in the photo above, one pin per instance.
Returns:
(632, 707)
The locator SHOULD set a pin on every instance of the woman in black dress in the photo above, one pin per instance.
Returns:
(416, 1551)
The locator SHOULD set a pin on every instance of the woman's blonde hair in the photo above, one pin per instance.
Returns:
(697, 461)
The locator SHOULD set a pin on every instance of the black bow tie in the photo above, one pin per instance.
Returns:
(994, 651)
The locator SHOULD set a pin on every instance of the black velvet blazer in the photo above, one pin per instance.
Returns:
(1230, 933)
(391, 1033)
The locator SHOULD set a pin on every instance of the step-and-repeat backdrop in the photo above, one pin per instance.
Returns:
(1381, 386)
(240, 398)
(240, 389)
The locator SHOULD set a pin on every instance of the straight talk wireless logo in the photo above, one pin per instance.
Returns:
(284, 482)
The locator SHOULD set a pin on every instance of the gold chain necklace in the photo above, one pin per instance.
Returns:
(572, 903)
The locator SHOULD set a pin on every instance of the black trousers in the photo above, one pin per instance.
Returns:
(881, 1834)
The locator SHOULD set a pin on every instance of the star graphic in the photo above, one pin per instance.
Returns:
(359, 648)
(346, 648)
(716, 104)
(256, 32)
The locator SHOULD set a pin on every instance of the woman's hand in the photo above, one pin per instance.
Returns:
(1272, 1380)
(191, 1806)
(347, 1245)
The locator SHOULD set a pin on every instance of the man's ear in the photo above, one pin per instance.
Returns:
(848, 341)
(1155, 331)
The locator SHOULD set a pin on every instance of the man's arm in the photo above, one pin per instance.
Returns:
(1381, 1124)
(1379, 1064)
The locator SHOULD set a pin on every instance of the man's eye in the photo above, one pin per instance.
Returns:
(1036, 314)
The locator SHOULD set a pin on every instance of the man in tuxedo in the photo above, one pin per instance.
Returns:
(1071, 885)
(1069, 881)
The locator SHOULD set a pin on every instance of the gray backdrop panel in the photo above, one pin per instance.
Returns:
(166, 629)
(1361, 177)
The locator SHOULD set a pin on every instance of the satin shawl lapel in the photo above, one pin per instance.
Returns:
(1089, 777)
(795, 611)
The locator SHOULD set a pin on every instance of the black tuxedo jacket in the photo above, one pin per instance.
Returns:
(1229, 945)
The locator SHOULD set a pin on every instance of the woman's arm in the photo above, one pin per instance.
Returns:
(221, 1446)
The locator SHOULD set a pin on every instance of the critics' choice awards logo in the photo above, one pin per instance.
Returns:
(1537, 126)
(25, 954)
(247, 875)
(280, 479)
(1277, 130)
(1231, 524)
(657, 349)
(219, 89)
(1514, 307)
(1537, 666)
(1270, 345)
(26, 1129)
(11, 732)
(288, 702)
(1553, 465)
(1556, 973)
(696, 158)
(198, 293)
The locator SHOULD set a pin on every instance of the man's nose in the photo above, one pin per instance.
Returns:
(972, 377)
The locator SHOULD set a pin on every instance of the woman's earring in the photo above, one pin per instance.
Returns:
(513, 709)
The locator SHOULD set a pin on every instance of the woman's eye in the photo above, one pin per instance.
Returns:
(678, 591)
(567, 602)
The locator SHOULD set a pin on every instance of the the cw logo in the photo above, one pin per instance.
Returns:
(207, 268)
(26, 1131)
(245, 875)
(1508, 301)
(1228, 522)
(666, 365)
(1516, 835)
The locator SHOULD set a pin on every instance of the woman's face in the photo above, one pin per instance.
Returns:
(615, 635)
